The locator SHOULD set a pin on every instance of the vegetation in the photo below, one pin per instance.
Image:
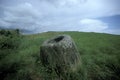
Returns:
(20, 56)
(9, 43)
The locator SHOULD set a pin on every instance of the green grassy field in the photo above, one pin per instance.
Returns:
(100, 56)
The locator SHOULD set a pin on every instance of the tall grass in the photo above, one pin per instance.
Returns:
(100, 56)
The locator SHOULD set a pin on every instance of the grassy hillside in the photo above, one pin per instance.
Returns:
(100, 55)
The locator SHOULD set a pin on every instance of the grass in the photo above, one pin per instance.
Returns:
(100, 56)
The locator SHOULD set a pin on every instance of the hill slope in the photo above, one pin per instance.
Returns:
(100, 54)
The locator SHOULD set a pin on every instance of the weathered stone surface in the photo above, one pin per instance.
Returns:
(60, 54)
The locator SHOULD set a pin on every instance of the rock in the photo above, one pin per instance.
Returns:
(60, 54)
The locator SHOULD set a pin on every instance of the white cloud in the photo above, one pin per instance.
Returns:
(23, 16)
(86, 8)
(93, 25)
(85, 25)
(68, 2)
(60, 15)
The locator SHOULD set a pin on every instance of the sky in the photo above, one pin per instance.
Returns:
(37, 16)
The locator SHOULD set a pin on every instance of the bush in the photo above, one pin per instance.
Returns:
(9, 43)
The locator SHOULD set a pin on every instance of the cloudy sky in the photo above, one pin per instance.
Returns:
(36, 16)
